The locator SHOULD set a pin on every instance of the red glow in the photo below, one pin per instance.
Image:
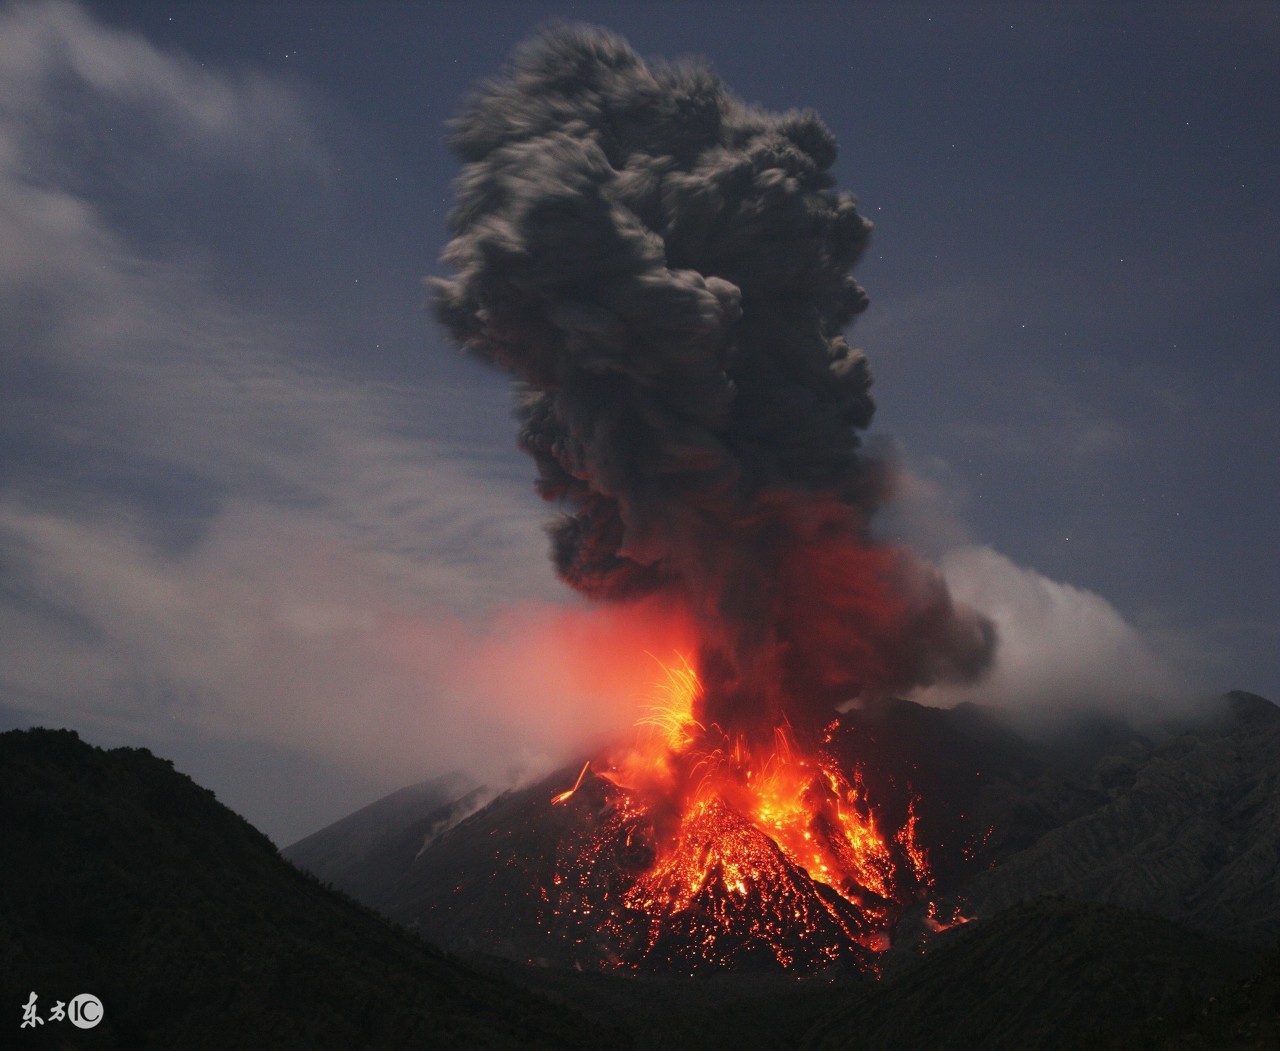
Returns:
(739, 851)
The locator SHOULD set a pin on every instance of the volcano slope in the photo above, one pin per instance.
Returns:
(1088, 967)
(1185, 827)
(388, 834)
(535, 882)
(1190, 830)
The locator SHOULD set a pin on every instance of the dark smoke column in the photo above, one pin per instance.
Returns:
(667, 270)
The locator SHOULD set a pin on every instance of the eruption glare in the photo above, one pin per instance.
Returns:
(666, 271)
(704, 850)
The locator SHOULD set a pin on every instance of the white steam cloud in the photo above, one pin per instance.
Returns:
(1062, 649)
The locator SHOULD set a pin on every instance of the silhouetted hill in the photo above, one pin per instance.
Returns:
(1048, 973)
(127, 880)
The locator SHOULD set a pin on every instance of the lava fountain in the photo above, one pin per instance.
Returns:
(740, 853)
(667, 273)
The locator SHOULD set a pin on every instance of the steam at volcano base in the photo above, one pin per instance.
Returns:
(666, 271)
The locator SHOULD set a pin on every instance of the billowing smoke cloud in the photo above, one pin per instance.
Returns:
(667, 271)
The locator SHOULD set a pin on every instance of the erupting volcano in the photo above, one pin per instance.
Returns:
(666, 271)
(724, 852)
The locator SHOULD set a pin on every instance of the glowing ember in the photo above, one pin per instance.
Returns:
(564, 797)
(726, 853)
(938, 919)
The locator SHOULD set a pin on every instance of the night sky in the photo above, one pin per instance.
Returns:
(257, 515)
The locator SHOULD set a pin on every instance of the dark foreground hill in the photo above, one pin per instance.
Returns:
(1047, 974)
(125, 879)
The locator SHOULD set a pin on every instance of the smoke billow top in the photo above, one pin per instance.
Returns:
(667, 272)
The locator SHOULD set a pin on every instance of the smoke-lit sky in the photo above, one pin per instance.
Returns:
(257, 515)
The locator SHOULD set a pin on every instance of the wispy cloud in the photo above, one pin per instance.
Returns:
(1049, 423)
(276, 628)
(1032, 401)
(52, 53)
(202, 530)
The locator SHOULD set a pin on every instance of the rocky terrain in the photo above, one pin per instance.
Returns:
(1189, 829)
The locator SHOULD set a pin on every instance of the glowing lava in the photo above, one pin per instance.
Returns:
(719, 852)
(566, 795)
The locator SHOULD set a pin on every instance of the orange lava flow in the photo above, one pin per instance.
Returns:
(767, 854)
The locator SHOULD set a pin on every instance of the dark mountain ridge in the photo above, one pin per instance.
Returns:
(1189, 829)
(125, 879)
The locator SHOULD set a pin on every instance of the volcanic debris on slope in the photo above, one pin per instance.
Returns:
(536, 882)
(1004, 819)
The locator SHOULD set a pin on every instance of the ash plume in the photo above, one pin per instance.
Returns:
(667, 272)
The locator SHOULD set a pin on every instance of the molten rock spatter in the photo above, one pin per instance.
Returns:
(771, 861)
(667, 272)
(700, 850)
